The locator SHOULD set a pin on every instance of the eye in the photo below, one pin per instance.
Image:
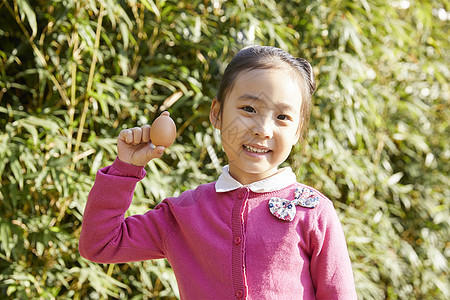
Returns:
(284, 118)
(248, 109)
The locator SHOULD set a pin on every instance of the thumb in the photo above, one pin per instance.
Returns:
(155, 152)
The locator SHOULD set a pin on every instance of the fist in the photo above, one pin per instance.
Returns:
(135, 147)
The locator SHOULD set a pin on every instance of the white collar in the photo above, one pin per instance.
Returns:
(284, 178)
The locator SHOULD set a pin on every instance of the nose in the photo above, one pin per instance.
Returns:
(263, 128)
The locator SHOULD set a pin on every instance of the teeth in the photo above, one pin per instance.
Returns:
(255, 150)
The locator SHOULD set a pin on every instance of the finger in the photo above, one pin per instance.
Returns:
(137, 135)
(165, 113)
(126, 135)
(146, 133)
(155, 152)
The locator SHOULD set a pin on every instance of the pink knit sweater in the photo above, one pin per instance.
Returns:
(221, 245)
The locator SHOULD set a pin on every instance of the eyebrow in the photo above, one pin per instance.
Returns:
(251, 97)
(281, 106)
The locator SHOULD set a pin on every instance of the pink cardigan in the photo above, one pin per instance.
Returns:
(221, 245)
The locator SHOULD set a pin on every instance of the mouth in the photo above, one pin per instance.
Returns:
(256, 150)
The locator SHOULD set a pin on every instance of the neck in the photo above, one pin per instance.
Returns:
(249, 178)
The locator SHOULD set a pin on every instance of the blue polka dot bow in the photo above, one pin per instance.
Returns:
(285, 209)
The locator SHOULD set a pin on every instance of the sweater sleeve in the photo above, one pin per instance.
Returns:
(106, 236)
(331, 269)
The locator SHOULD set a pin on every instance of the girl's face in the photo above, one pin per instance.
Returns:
(259, 123)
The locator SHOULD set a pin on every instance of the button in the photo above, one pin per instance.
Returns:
(241, 195)
(237, 240)
(239, 293)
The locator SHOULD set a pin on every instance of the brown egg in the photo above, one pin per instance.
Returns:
(163, 131)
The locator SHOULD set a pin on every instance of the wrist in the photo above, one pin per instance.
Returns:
(129, 161)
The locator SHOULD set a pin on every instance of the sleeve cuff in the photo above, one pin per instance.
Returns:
(121, 168)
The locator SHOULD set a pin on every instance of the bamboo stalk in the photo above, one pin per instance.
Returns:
(89, 85)
(73, 71)
(72, 93)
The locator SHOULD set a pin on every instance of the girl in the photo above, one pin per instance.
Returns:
(255, 233)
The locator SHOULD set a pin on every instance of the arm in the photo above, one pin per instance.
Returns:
(331, 269)
(106, 237)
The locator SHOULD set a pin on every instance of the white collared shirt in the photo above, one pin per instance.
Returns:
(284, 178)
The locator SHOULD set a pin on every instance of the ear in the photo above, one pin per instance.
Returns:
(214, 114)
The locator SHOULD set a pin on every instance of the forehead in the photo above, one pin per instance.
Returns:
(275, 88)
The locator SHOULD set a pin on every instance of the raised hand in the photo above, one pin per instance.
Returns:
(134, 146)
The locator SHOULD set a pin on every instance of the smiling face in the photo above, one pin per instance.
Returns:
(259, 122)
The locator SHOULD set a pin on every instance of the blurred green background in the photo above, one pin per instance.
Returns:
(74, 73)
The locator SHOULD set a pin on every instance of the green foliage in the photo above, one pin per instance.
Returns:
(74, 73)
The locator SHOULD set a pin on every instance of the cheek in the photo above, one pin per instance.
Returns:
(232, 134)
(290, 137)
(236, 127)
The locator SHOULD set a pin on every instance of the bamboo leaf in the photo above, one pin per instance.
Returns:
(151, 6)
(17, 171)
(26, 11)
